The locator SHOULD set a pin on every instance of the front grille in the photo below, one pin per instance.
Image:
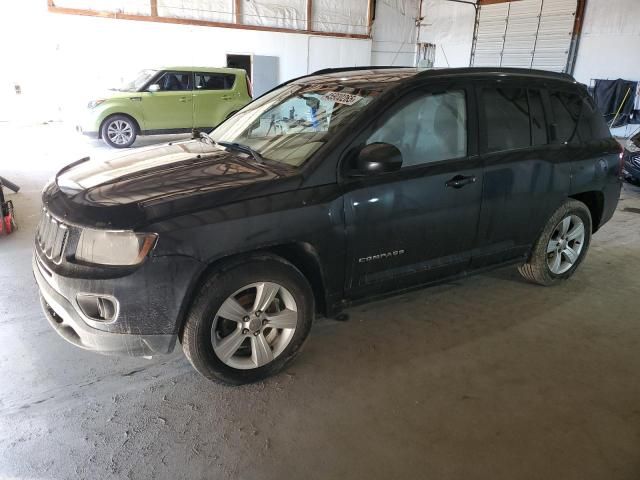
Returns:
(52, 236)
(636, 160)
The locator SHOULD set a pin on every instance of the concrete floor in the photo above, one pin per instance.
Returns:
(487, 378)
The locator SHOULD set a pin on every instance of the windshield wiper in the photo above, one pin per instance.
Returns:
(244, 148)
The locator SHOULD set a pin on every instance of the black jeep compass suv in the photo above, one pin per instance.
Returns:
(334, 187)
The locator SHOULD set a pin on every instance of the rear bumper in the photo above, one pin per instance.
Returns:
(611, 193)
(69, 324)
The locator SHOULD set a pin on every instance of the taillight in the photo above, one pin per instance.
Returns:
(249, 87)
(621, 163)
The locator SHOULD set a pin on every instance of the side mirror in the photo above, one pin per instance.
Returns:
(153, 88)
(377, 158)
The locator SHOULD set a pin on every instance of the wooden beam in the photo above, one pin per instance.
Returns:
(201, 23)
(577, 26)
(371, 13)
(575, 36)
(154, 8)
(237, 14)
(309, 15)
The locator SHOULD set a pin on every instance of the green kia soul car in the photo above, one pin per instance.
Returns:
(166, 100)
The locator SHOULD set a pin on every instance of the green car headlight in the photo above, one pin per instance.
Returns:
(94, 103)
(116, 248)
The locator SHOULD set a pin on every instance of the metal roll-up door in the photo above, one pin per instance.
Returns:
(525, 34)
(554, 35)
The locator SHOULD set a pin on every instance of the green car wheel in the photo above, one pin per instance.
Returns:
(119, 131)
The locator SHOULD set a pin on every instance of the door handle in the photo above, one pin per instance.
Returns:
(460, 181)
(226, 97)
(184, 99)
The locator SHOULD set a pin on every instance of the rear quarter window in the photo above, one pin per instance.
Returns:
(576, 118)
(566, 111)
(594, 123)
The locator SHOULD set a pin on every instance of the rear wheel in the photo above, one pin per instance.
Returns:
(248, 320)
(562, 245)
(119, 131)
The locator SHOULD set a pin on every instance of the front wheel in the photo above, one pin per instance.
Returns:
(562, 245)
(119, 131)
(248, 320)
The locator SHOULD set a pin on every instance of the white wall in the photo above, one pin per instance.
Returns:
(448, 25)
(610, 41)
(394, 33)
(62, 60)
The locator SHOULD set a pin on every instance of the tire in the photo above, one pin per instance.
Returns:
(543, 267)
(119, 131)
(208, 325)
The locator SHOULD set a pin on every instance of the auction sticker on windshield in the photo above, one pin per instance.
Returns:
(340, 97)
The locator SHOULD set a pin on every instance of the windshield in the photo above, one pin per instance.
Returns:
(289, 124)
(138, 82)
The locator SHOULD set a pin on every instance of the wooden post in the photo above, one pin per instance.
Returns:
(309, 15)
(370, 15)
(237, 5)
(154, 8)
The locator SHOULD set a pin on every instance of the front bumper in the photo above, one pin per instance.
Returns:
(88, 123)
(68, 323)
(90, 134)
(145, 325)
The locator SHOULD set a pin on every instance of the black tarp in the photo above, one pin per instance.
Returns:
(609, 95)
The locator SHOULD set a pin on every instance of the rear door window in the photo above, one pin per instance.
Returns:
(506, 113)
(214, 81)
(428, 129)
(174, 81)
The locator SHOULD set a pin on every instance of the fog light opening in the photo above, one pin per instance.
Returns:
(54, 315)
(98, 307)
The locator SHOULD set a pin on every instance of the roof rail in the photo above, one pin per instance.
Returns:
(324, 71)
(497, 71)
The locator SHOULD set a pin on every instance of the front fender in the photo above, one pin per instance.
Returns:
(120, 106)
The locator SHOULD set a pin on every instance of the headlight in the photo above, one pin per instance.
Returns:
(106, 247)
(94, 103)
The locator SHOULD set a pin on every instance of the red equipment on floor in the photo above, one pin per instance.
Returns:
(7, 214)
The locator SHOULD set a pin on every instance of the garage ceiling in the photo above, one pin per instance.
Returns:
(525, 34)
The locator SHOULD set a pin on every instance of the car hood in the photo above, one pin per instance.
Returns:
(105, 95)
(142, 186)
(633, 144)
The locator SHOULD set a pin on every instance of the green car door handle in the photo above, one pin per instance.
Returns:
(184, 99)
(226, 97)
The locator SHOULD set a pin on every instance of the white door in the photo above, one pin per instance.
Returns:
(264, 74)
(525, 34)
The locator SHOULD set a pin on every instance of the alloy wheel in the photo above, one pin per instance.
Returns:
(565, 245)
(120, 132)
(254, 325)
